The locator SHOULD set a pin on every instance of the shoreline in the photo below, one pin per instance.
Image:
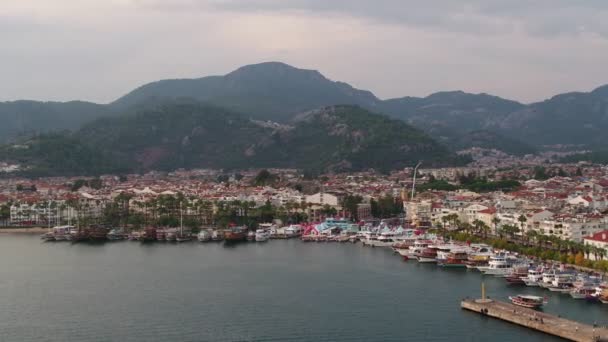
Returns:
(33, 230)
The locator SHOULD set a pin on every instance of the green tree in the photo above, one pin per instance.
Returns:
(350, 203)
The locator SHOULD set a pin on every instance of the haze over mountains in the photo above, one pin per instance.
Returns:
(281, 93)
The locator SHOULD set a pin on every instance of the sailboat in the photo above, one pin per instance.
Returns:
(181, 237)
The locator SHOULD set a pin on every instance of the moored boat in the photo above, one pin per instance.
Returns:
(204, 236)
(236, 234)
(262, 235)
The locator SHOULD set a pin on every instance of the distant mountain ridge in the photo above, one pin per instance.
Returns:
(278, 92)
(267, 91)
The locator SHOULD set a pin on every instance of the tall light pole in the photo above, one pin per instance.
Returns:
(414, 179)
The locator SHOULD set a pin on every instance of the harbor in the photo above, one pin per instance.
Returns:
(285, 288)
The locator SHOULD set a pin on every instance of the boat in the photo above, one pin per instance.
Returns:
(80, 235)
(48, 236)
(182, 236)
(161, 235)
(251, 235)
(294, 230)
(517, 275)
(582, 292)
(98, 234)
(547, 278)
(61, 232)
(563, 282)
(217, 235)
(603, 296)
(204, 236)
(134, 236)
(116, 234)
(527, 301)
(262, 235)
(236, 234)
(427, 255)
(499, 265)
(171, 235)
(148, 235)
(456, 259)
(533, 278)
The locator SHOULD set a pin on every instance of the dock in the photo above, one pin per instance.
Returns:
(537, 320)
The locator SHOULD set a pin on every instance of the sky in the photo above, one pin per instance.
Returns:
(98, 50)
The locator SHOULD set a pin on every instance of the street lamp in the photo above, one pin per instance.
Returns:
(414, 180)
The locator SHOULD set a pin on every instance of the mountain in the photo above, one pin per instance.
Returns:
(188, 135)
(279, 92)
(456, 110)
(267, 91)
(573, 118)
(30, 117)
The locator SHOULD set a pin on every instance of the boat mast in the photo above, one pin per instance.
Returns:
(181, 219)
(414, 180)
(48, 214)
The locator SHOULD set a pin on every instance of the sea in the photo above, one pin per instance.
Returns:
(281, 290)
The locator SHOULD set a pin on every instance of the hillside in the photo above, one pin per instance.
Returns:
(189, 135)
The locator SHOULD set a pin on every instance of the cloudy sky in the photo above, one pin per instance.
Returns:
(98, 50)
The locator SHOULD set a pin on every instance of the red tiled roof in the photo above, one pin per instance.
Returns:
(601, 236)
(488, 211)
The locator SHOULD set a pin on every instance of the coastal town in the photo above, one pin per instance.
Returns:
(565, 201)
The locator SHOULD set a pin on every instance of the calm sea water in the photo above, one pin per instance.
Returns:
(277, 291)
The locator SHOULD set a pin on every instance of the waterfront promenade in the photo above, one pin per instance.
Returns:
(550, 324)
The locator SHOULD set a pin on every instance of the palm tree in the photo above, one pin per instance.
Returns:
(533, 235)
(495, 222)
(522, 219)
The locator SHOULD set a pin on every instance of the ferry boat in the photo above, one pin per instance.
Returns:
(236, 234)
(262, 235)
(416, 249)
(534, 277)
(532, 302)
(204, 236)
(517, 275)
(582, 292)
(456, 259)
(428, 255)
(547, 278)
(562, 282)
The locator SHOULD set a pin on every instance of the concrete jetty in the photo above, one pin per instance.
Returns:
(540, 321)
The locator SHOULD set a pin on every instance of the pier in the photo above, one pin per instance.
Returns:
(537, 320)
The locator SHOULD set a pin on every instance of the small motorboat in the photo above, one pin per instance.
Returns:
(527, 301)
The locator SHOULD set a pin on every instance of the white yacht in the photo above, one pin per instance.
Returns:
(547, 278)
(499, 265)
(262, 235)
(535, 276)
(204, 236)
